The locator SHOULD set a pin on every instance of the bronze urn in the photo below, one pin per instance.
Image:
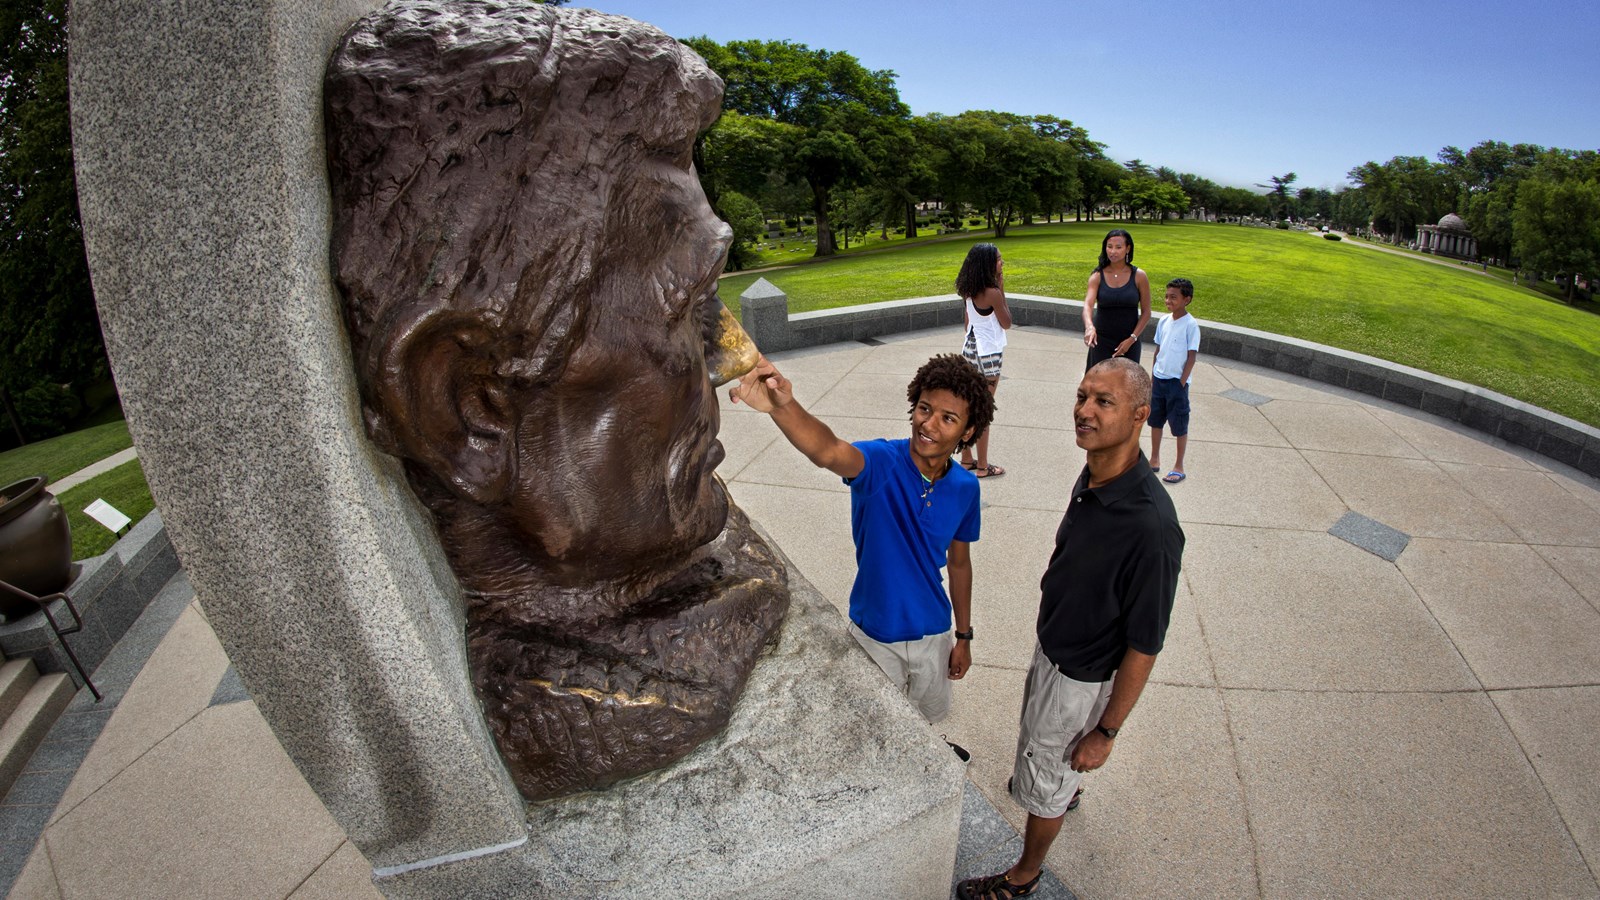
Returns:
(35, 544)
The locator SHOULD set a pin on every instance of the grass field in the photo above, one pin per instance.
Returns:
(61, 456)
(124, 488)
(1455, 322)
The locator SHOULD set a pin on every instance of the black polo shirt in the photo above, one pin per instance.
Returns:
(1111, 579)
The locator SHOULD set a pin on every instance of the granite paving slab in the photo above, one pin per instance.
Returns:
(1515, 620)
(1342, 804)
(1414, 496)
(1293, 610)
(1344, 429)
(1263, 487)
(1538, 508)
(1556, 728)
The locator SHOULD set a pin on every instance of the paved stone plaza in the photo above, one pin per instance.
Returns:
(1381, 676)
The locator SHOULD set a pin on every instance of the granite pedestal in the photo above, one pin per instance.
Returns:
(202, 183)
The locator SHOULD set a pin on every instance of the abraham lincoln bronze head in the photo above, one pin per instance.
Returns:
(528, 267)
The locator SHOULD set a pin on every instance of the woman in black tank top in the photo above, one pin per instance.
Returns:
(1116, 305)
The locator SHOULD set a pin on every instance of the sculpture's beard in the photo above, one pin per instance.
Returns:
(583, 710)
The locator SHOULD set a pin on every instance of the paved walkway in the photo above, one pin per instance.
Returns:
(1324, 721)
(68, 482)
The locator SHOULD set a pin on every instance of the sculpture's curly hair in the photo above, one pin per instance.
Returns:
(951, 372)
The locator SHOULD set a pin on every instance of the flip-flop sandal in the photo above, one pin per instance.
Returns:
(1174, 477)
(1155, 468)
(989, 471)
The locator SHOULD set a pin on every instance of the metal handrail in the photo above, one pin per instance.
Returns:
(44, 605)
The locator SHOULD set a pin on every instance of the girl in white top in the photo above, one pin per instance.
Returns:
(981, 283)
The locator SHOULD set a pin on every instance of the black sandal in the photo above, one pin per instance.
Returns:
(995, 887)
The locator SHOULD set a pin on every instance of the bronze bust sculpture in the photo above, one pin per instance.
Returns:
(528, 267)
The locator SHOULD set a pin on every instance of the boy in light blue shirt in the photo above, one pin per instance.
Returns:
(1177, 345)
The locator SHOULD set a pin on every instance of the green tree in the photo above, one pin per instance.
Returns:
(856, 211)
(1351, 211)
(1488, 175)
(1005, 165)
(1557, 226)
(1064, 148)
(740, 153)
(1405, 192)
(1145, 194)
(749, 226)
(1238, 201)
(834, 103)
(1281, 203)
(1314, 203)
(1202, 193)
(1099, 179)
(898, 172)
(47, 310)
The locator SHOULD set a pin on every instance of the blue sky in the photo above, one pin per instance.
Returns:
(1236, 92)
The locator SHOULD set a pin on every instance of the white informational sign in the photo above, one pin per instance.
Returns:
(107, 515)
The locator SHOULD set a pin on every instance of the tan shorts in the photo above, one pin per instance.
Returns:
(920, 669)
(1057, 712)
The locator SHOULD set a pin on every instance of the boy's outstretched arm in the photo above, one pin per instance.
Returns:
(764, 389)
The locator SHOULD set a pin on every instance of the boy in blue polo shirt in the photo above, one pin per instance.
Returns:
(1177, 345)
(912, 514)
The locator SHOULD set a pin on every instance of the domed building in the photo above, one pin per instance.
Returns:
(1450, 237)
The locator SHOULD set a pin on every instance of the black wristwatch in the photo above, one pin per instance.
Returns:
(964, 635)
(1108, 732)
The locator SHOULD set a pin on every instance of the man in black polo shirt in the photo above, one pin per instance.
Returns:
(1106, 597)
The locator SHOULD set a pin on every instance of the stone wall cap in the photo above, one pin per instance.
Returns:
(761, 290)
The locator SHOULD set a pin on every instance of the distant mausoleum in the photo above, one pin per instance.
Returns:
(1448, 238)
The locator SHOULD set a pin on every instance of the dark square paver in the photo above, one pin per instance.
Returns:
(1370, 535)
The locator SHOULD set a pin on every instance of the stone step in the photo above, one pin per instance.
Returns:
(16, 676)
(27, 725)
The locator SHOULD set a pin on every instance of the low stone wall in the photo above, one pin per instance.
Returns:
(110, 592)
(764, 310)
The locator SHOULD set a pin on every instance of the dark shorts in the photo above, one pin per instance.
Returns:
(1169, 404)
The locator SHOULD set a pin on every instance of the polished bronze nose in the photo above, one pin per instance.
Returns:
(731, 352)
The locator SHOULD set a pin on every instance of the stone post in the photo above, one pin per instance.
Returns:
(764, 313)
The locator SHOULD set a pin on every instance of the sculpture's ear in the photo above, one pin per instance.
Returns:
(446, 407)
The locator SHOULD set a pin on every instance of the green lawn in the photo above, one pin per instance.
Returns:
(1455, 322)
(124, 488)
(61, 456)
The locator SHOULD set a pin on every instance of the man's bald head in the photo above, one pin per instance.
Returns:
(1134, 379)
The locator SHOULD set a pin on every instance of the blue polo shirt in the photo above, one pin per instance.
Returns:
(902, 530)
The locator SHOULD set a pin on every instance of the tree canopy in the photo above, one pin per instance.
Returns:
(47, 307)
(836, 110)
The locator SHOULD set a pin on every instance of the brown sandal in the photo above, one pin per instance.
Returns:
(989, 471)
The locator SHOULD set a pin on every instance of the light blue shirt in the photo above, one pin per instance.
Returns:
(1175, 337)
